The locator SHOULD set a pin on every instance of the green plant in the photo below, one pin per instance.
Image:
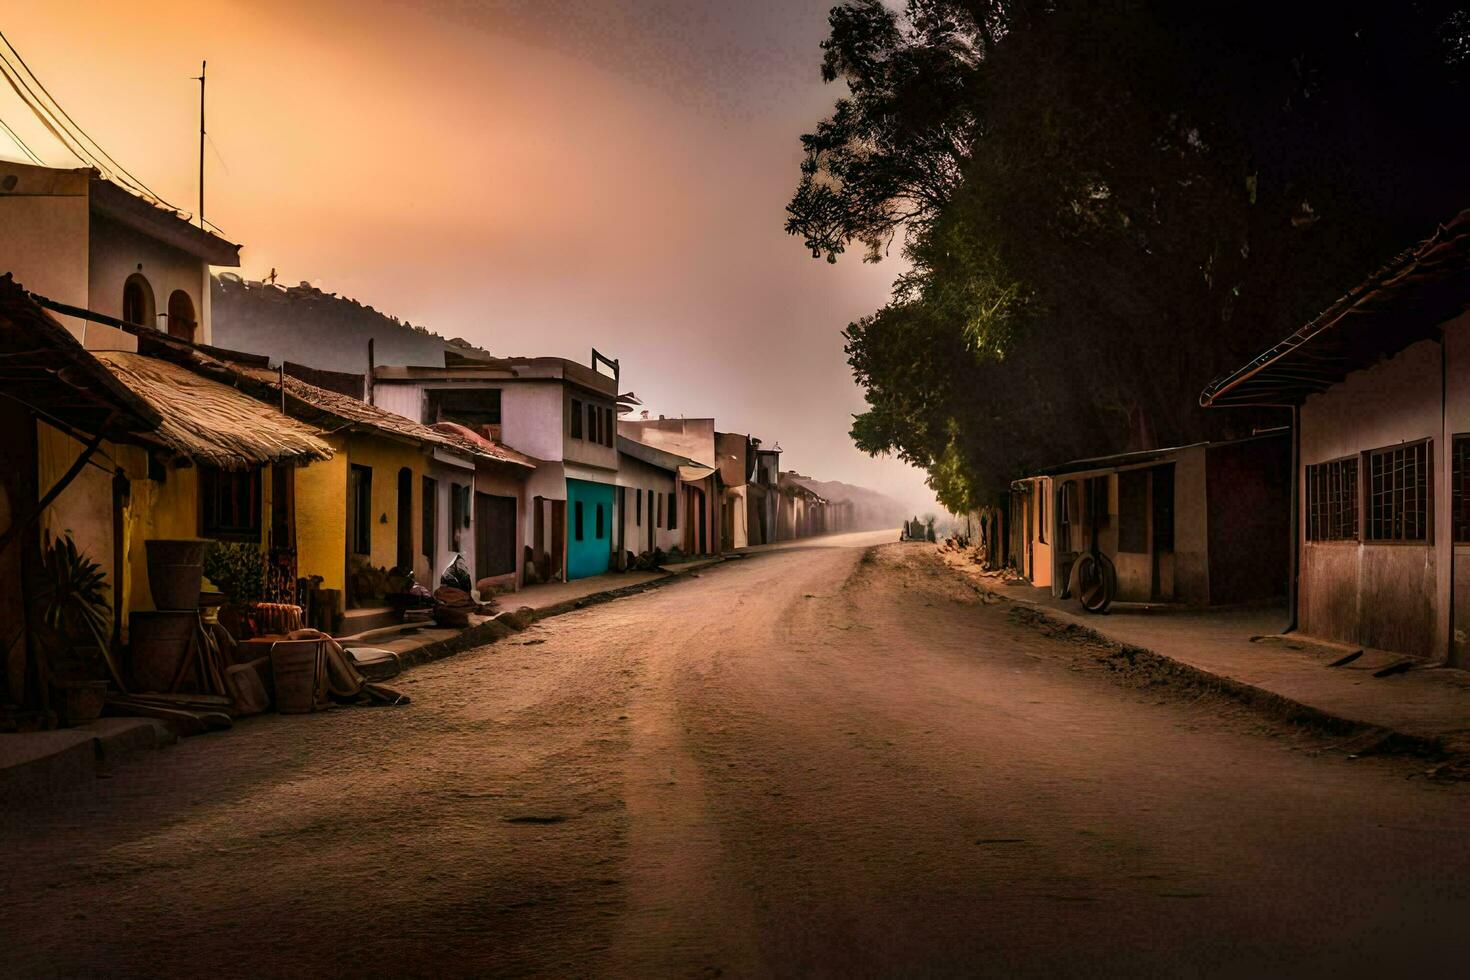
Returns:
(238, 570)
(74, 605)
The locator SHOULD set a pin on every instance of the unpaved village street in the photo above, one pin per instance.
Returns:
(827, 760)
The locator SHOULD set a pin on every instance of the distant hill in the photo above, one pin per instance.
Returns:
(871, 510)
(304, 325)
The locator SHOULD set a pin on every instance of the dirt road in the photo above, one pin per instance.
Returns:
(823, 761)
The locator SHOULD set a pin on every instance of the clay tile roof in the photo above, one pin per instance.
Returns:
(484, 446)
(210, 422)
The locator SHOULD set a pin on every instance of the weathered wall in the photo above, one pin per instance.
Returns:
(1186, 578)
(501, 481)
(43, 234)
(321, 517)
(84, 508)
(533, 420)
(1379, 595)
(634, 475)
(691, 438)
(1249, 495)
(1038, 528)
(116, 252)
(386, 457)
(446, 477)
(166, 509)
(584, 450)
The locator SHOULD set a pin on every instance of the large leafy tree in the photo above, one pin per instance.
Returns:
(1106, 203)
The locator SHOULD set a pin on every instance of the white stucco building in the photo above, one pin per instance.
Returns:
(561, 414)
(83, 242)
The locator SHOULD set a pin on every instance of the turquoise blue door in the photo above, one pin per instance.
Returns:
(589, 532)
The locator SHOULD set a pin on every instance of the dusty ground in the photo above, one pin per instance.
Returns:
(808, 762)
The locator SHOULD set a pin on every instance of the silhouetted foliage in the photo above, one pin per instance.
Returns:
(1107, 204)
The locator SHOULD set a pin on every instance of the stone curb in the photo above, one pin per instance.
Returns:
(70, 756)
(1376, 738)
(497, 628)
(75, 755)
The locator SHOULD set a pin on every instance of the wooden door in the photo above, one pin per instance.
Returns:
(405, 518)
(495, 536)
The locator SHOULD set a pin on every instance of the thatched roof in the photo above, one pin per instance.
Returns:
(43, 367)
(212, 423)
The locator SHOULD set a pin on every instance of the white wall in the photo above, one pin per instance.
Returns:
(401, 399)
(53, 244)
(43, 234)
(116, 252)
(634, 474)
(531, 420)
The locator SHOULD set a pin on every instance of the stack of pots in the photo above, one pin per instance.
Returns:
(160, 640)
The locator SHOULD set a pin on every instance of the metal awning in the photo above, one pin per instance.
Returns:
(1402, 303)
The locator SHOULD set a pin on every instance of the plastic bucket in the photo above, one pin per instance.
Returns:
(296, 674)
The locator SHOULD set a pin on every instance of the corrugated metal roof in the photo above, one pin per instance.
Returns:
(1401, 303)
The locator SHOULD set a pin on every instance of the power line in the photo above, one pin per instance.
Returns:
(77, 129)
(16, 83)
(56, 120)
(15, 138)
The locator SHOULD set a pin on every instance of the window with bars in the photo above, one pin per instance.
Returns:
(1460, 487)
(1400, 495)
(1332, 501)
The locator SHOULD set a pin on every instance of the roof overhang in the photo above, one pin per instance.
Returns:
(169, 227)
(1402, 303)
(44, 368)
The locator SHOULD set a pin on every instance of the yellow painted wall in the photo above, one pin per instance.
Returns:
(85, 507)
(321, 517)
(386, 457)
(170, 508)
(167, 509)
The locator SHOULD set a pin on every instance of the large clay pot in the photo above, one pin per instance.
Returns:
(158, 641)
(80, 701)
(176, 572)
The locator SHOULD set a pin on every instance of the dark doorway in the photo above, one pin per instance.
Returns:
(360, 508)
(495, 536)
(429, 521)
(181, 321)
(405, 518)
(1162, 506)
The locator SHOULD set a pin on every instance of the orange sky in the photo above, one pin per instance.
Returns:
(537, 176)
